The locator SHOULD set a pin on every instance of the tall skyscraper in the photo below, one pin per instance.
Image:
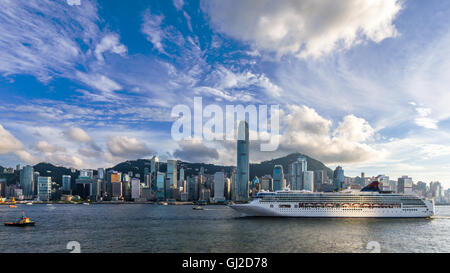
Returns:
(181, 180)
(279, 183)
(135, 189)
(160, 185)
(404, 184)
(101, 173)
(338, 178)
(308, 180)
(242, 177)
(319, 179)
(66, 183)
(296, 170)
(27, 181)
(267, 183)
(219, 185)
(154, 169)
(172, 173)
(44, 188)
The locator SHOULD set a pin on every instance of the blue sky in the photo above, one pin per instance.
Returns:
(360, 84)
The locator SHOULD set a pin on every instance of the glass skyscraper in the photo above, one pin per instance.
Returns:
(278, 178)
(242, 177)
(172, 173)
(338, 178)
(27, 181)
(296, 172)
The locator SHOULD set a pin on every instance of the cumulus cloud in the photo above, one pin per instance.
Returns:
(109, 43)
(305, 131)
(195, 151)
(127, 147)
(66, 160)
(423, 119)
(46, 147)
(10, 144)
(304, 28)
(78, 135)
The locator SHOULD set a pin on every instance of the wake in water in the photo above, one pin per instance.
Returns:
(440, 217)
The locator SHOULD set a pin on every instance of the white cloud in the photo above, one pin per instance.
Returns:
(152, 28)
(305, 131)
(44, 46)
(78, 135)
(99, 82)
(424, 120)
(304, 28)
(127, 147)
(178, 4)
(10, 144)
(74, 2)
(110, 43)
(46, 147)
(196, 151)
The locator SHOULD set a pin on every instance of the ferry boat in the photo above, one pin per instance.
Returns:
(369, 202)
(13, 203)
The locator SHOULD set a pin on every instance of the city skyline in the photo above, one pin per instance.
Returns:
(367, 94)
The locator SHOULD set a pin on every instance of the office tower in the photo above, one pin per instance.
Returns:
(160, 186)
(319, 179)
(266, 183)
(279, 183)
(135, 189)
(296, 170)
(172, 173)
(3, 187)
(385, 184)
(146, 177)
(86, 174)
(242, 176)
(66, 183)
(404, 185)
(35, 179)
(219, 185)
(101, 173)
(338, 178)
(181, 180)
(44, 188)
(255, 186)
(116, 189)
(27, 182)
(308, 181)
(154, 169)
(233, 185)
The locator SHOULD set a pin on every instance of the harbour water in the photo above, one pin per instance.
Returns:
(156, 228)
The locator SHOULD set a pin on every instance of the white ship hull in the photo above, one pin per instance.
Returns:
(256, 209)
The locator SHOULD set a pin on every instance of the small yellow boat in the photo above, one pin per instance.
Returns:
(13, 205)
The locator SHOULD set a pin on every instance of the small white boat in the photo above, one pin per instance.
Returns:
(87, 204)
(29, 204)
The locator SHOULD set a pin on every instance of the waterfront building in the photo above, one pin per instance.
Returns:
(135, 189)
(3, 187)
(242, 176)
(308, 180)
(181, 180)
(66, 179)
(88, 174)
(279, 182)
(154, 169)
(101, 173)
(27, 182)
(160, 186)
(116, 188)
(404, 184)
(172, 173)
(319, 179)
(219, 185)
(295, 173)
(338, 178)
(44, 188)
(267, 183)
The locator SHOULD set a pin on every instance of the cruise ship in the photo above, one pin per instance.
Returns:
(366, 203)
